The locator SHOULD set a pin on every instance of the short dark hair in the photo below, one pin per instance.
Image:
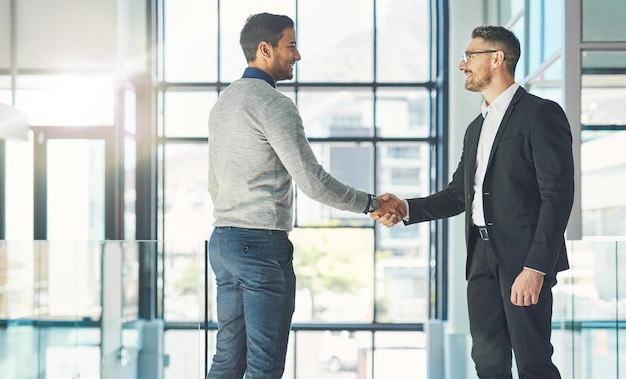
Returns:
(262, 27)
(504, 40)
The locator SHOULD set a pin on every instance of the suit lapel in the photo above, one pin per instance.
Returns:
(505, 121)
(473, 134)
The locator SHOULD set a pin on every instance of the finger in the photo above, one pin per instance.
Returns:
(535, 299)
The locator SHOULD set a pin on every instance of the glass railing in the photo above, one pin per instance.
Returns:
(71, 309)
(589, 313)
(124, 309)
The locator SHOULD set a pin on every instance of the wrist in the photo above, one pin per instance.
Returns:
(372, 204)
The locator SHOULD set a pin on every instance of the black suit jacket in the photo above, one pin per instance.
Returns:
(528, 187)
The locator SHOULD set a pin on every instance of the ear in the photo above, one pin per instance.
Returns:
(265, 49)
(498, 59)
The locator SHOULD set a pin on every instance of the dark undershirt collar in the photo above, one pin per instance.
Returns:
(252, 72)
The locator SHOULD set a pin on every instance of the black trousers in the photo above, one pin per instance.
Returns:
(498, 327)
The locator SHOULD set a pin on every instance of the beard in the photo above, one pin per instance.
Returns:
(478, 83)
(283, 70)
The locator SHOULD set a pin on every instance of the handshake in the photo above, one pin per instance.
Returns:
(390, 211)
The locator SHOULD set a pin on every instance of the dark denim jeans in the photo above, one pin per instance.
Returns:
(255, 301)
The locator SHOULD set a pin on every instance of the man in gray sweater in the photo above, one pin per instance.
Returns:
(257, 149)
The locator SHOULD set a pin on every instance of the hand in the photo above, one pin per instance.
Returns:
(391, 210)
(526, 288)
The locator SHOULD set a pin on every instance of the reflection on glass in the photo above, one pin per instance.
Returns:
(403, 36)
(332, 49)
(334, 271)
(187, 113)
(190, 40)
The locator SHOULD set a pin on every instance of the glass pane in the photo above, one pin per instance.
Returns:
(130, 112)
(73, 100)
(549, 84)
(75, 189)
(337, 112)
(603, 183)
(184, 280)
(603, 20)
(585, 311)
(187, 113)
(545, 31)
(185, 349)
(402, 287)
(130, 188)
(352, 164)
(337, 354)
(19, 189)
(397, 354)
(190, 40)
(403, 41)
(52, 280)
(185, 200)
(343, 53)
(27, 351)
(233, 15)
(403, 112)
(334, 268)
(521, 70)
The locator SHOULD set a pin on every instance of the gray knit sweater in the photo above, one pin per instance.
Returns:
(256, 146)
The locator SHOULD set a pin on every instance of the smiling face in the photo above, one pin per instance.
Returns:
(478, 69)
(284, 56)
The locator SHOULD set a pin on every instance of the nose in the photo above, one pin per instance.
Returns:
(296, 55)
(462, 65)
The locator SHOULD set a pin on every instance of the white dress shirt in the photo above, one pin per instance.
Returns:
(493, 114)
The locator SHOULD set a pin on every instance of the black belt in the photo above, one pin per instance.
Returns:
(483, 233)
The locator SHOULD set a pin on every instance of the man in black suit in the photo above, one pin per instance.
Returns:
(515, 183)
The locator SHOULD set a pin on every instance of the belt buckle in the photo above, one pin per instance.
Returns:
(484, 235)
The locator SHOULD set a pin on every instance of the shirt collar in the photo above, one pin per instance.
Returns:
(252, 72)
(501, 102)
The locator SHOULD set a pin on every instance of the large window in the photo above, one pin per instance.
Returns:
(367, 93)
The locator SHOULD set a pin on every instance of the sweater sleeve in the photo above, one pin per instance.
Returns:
(285, 133)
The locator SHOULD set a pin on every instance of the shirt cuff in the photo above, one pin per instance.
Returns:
(532, 269)
(407, 217)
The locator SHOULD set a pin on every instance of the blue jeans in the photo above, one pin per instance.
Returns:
(255, 302)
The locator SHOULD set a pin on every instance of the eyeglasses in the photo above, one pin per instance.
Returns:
(467, 54)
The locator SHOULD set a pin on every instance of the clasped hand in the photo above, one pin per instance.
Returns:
(391, 210)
